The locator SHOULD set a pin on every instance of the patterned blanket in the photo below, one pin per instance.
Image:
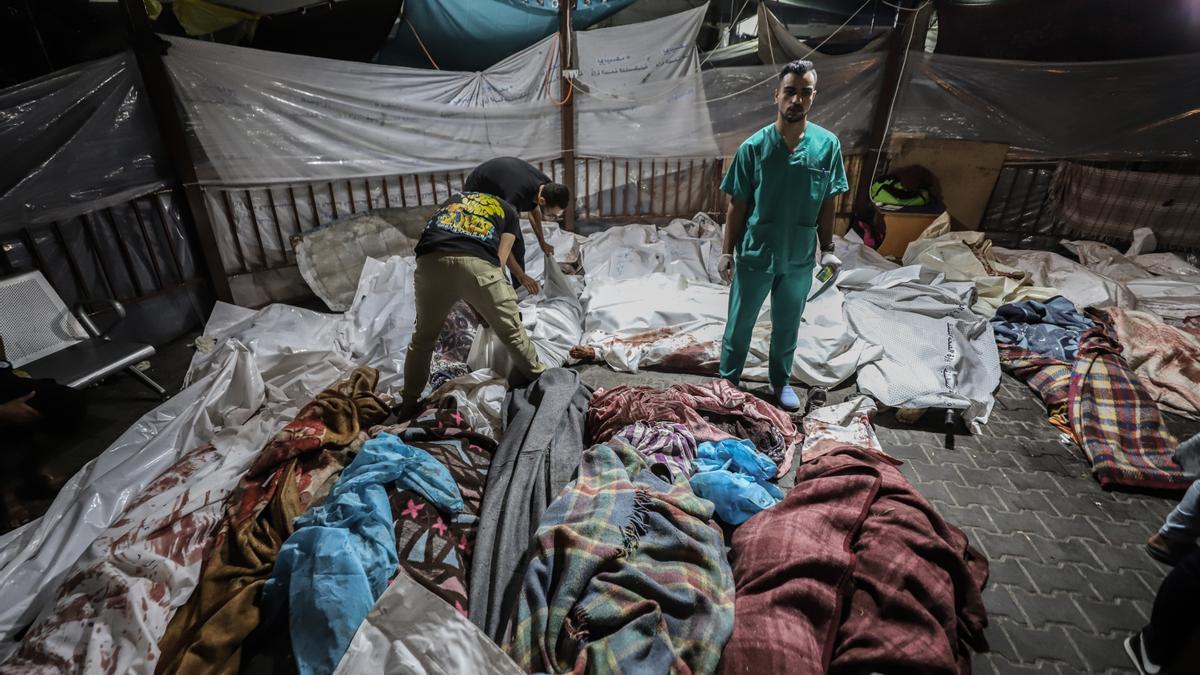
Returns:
(434, 548)
(713, 411)
(1103, 405)
(294, 471)
(628, 574)
(1165, 358)
(854, 572)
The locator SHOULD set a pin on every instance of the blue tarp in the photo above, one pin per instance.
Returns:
(468, 35)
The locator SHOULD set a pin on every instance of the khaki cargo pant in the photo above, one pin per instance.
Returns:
(443, 279)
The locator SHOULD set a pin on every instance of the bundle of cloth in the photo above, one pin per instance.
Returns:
(295, 471)
(854, 572)
(627, 573)
(1160, 283)
(653, 297)
(115, 604)
(848, 423)
(713, 411)
(553, 319)
(968, 256)
(537, 456)
(1166, 358)
(133, 527)
(1075, 363)
(410, 498)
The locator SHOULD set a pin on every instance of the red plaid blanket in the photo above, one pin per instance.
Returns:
(1102, 404)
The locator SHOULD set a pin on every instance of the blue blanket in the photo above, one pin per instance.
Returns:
(338, 561)
(1050, 329)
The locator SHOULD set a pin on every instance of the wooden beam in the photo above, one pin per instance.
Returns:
(149, 49)
(567, 108)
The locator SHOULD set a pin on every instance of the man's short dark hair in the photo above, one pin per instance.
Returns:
(556, 195)
(798, 68)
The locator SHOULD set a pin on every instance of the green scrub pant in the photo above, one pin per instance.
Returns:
(789, 292)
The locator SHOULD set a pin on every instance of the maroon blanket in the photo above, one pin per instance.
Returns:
(854, 572)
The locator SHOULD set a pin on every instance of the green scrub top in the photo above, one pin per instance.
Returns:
(784, 192)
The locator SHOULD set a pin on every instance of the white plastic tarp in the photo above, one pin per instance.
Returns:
(262, 117)
(686, 248)
(642, 94)
(75, 140)
(1075, 282)
(937, 353)
(668, 320)
(34, 558)
(619, 59)
(278, 357)
(654, 297)
(266, 117)
(116, 601)
(552, 319)
(966, 256)
(479, 396)
(411, 630)
(1163, 283)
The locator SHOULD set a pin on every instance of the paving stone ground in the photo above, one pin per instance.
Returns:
(1070, 577)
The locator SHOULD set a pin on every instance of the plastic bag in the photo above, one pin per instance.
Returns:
(734, 477)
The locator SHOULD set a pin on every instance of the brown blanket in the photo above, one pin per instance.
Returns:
(295, 470)
(854, 572)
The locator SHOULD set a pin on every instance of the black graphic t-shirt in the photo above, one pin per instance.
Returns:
(513, 180)
(470, 223)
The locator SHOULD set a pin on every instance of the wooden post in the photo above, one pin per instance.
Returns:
(149, 49)
(568, 110)
(898, 43)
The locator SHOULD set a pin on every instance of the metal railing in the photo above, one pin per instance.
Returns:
(129, 252)
(254, 225)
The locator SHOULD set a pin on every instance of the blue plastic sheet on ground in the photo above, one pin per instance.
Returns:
(735, 477)
(339, 559)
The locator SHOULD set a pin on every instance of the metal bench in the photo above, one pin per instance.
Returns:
(45, 339)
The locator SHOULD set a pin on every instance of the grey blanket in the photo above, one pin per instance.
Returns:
(538, 455)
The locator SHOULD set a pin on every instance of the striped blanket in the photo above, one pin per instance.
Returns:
(1103, 405)
(628, 574)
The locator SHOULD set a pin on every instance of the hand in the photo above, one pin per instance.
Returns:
(831, 260)
(725, 267)
(547, 249)
(530, 285)
(18, 411)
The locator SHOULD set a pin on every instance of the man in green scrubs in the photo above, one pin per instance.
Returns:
(781, 188)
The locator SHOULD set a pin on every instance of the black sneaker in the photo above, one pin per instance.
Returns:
(1137, 654)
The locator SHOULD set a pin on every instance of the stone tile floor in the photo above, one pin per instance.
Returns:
(1069, 575)
(1070, 578)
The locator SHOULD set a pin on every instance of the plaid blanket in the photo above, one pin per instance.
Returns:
(712, 411)
(854, 572)
(1103, 405)
(628, 574)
